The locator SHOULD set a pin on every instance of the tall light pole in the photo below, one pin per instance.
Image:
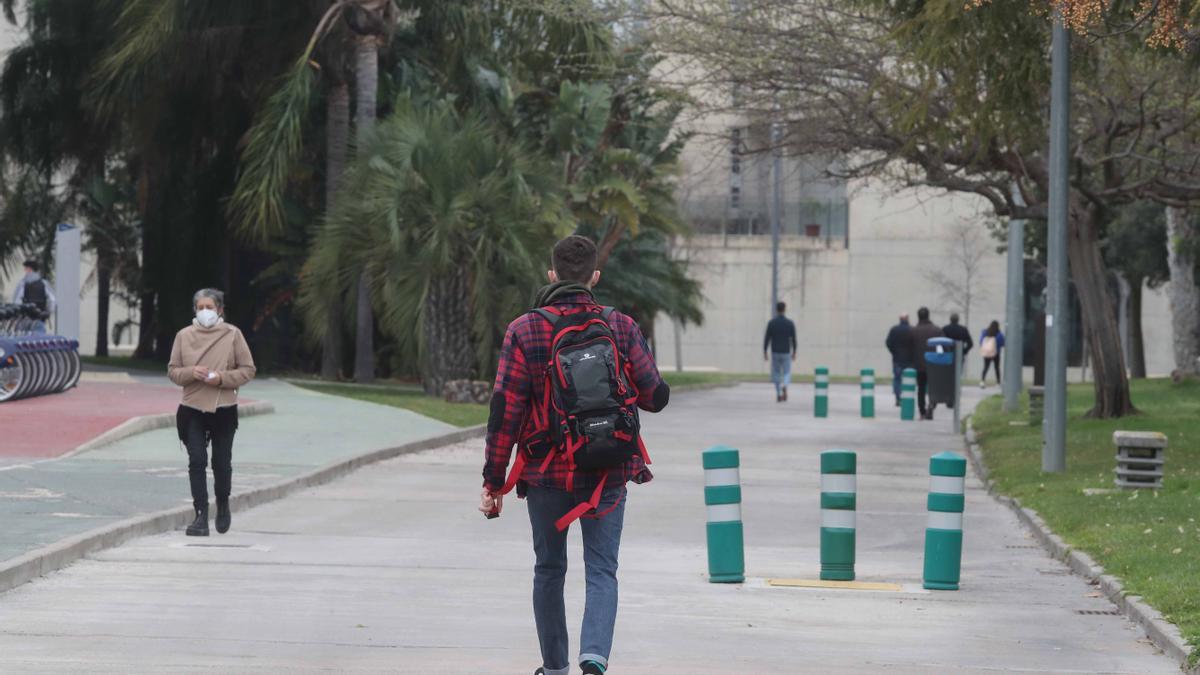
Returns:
(1057, 316)
(776, 206)
(1014, 320)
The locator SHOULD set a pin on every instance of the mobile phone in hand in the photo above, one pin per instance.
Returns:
(494, 513)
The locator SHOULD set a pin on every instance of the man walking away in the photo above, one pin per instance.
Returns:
(960, 333)
(563, 426)
(34, 290)
(921, 333)
(991, 343)
(899, 343)
(781, 341)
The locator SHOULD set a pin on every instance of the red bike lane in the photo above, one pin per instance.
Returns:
(50, 426)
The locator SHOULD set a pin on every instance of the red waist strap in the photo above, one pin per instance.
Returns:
(580, 509)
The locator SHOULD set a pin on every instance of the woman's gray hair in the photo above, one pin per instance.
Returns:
(212, 294)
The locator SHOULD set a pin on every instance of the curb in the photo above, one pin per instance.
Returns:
(56, 556)
(1163, 634)
(138, 425)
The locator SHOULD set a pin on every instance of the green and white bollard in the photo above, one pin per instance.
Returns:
(821, 392)
(943, 534)
(908, 394)
(838, 501)
(867, 392)
(723, 502)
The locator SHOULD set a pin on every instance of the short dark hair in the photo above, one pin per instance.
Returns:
(575, 259)
(33, 265)
(923, 314)
(781, 307)
(954, 317)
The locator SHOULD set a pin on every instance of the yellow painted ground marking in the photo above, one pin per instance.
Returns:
(847, 585)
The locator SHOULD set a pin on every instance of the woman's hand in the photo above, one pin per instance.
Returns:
(214, 378)
(200, 373)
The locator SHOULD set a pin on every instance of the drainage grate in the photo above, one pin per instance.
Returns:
(1055, 573)
(1023, 546)
(1098, 612)
(218, 545)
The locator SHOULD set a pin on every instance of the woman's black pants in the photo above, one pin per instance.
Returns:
(197, 430)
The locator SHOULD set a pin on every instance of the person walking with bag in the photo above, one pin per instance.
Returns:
(211, 361)
(571, 378)
(991, 343)
(899, 344)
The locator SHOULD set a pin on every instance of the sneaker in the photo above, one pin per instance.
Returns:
(785, 393)
(983, 385)
(591, 668)
(199, 526)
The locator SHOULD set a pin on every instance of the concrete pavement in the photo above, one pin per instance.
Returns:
(44, 502)
(392, 570)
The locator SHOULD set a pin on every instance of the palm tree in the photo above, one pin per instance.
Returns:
(450, 220)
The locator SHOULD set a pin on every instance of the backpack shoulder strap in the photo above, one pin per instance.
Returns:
(606, 313)
(546, 314)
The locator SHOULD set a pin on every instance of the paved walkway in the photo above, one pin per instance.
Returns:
(392, 570)
(44, 502)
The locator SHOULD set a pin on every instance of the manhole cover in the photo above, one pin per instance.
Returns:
(1098, 612)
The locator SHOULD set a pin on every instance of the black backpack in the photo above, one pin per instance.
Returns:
(35, 294)
(589, 409)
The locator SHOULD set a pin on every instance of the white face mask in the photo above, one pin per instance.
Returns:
(207, 318)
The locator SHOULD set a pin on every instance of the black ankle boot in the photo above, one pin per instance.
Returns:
(224, 519)
(199, 526)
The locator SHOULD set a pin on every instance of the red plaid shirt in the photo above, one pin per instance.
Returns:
(520, 381)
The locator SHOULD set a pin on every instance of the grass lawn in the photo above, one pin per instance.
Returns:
(126, 363)
(1151, 540)
(456, 414)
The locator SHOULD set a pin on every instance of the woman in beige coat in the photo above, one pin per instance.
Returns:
(210, 360)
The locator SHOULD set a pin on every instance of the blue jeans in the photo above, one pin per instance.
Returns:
(897, 374)
(781, 370)
(601, 542)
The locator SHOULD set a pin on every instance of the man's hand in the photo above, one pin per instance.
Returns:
(793, 356)
(200, 373)
(766, 357)
(489, 503)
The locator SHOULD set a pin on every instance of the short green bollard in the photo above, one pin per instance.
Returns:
(821, 392)
(867, 389)
(838, 503)
(723, 502)
(943, 533)
(908, 394)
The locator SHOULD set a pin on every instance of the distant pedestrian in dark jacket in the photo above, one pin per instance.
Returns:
(899, 343)
(779, 348)
(960, 333)
(921, 333)
(991, 343)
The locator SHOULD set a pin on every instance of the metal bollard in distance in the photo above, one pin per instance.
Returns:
(723, 502)
(943, 533)
(838, 502)
(867, 392)
(821, 392)
(908, 394)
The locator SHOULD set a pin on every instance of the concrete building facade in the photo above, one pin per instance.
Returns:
(852, 257)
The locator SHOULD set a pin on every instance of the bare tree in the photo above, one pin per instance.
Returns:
(958, 103)
(957, 279)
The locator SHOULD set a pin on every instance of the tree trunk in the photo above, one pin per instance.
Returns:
(103, 289)
(449, 352)
(1137, 345)
(1182, 292)
(366, 75)
(146, 305)
(1110, 381)
(337, 136)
